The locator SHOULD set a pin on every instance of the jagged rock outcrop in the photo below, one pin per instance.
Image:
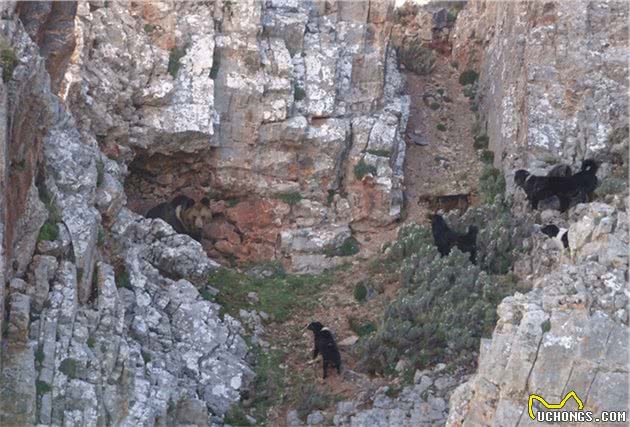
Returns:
(105, 320)
(292, 109)
(553, 77)
(553, 83)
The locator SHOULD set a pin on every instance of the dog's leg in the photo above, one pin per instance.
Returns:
(325, 373)
(315, 353)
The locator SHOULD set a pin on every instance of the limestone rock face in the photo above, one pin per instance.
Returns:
(553, 75)
(275, 98)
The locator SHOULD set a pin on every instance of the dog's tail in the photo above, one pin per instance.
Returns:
(589, 165)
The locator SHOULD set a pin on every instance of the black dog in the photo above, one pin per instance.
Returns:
(538, 188)
(557, 233)
(445, 238)
(325, 344)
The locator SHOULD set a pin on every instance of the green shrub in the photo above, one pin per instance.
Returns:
(349, 247)
(149, 28)
(269, 384)
(451, 16)
(416, 58)
(206, 294)
(174, 56)
(146, 356)
(361, 169)
(236, 416)
(481, 141)
(441, 127)
(69, 367)
(123, 280)
(39, 356)
(487, 157)
(100, 238)
(42, 387)
(9, 62)
(91, 341)
(435, 105)
(360, 292)
(49, 231)
(361, 328)
(545, 326)
(298, 93)
(440, 91)
(468, 77)
(290, 198)
(278, 295)
(491, 183)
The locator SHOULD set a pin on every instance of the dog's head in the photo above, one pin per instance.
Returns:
(315, 327)
(520, 177)
(589, 165)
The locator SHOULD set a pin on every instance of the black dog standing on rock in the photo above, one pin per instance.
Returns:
(566, 188)
(445, 238)
(325, 344)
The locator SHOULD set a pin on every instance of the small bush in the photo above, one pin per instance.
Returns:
(290, 198)
(360, 327)
(360, 292)
(9, 62)
(349, 247)
(441, 127)
(440, 91)
(207, 295)
(149, 28)
(481, 141)
(39, 355)
(298, 93)
(174, 56)
(49, 232)
(416, 58)
(361, 169)
(42, 387)
(146, 356)
(91, 342)
(451, 16)
(491, 184)
(236, 416)
(435, 105)
(487, 157)
(69, 367)
(123, 280)
(468, 77)
(545, 326)
(311, 399)
(269, 384)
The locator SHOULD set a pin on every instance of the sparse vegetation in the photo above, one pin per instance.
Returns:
(146, 356)
(174, 57)
(435, 105)
(468, 77)
(149, 28)
(91, 342)
(545, 326)
(491, 183)
(311, 399)
(49, 231)
(349, 247)
(481, 141)
(487, 157)
(361, 327)
(39, 356)
(269, 385)
(42, 387)
(236, 416)
(360, 292)
(441, 127)
(361, 169)
(69, 367)
(292, 198)
(451, 16)
(417, 58)
(279, 295)
(298, 93)
(8, 60)
(123, 280)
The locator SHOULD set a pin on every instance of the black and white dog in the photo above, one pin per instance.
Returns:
(561, 235)
(445, 238)
(326, 346)
(581, 185)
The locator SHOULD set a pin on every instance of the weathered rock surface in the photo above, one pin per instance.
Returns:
(276, 99)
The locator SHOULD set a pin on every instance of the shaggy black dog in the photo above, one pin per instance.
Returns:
(445, 238)
(560, 234)
(325, 344)
(539, 188)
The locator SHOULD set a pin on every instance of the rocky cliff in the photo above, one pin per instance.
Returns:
(553, 85)
(292, 110)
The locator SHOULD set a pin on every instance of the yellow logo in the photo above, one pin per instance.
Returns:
(560, 405)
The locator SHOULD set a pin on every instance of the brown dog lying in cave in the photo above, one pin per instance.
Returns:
(184, 214)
